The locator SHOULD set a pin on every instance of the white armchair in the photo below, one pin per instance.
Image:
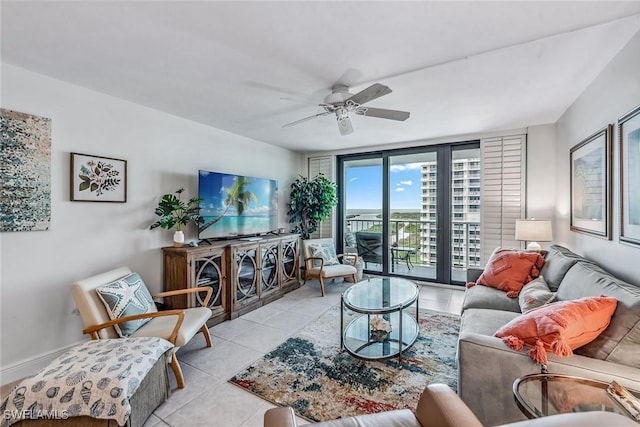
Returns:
(322, 262)
(176, 326)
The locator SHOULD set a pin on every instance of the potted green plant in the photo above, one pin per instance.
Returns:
(176, 214)
(310, 203)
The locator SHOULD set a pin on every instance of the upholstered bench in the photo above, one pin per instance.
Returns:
(105, 383)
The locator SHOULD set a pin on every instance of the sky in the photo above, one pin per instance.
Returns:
(364, 187)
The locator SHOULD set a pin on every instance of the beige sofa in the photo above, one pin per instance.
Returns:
(487, 367)
(439, 406)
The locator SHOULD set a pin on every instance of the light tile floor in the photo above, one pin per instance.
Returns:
(209, 400)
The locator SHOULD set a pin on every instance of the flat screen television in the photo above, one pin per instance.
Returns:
(236, 205)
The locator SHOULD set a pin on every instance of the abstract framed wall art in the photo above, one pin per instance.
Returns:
(25, 171)
(98, 179)
(591, 184)
(629, 135)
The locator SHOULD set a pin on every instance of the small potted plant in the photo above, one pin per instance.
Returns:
(176, 214)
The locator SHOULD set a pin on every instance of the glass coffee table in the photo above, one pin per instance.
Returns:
(379, 301)
(539, 395)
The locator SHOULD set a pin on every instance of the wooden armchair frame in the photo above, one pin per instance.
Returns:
(179, 313)
(309, 274)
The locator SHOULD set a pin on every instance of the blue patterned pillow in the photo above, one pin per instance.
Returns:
(326, 251)
(125, 297)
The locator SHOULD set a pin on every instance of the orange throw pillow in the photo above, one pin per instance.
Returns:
(559, 327)
(509, 270)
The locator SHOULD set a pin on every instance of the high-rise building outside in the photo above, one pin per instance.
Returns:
(465, 212)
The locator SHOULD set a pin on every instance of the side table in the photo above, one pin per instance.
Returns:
(539, 395)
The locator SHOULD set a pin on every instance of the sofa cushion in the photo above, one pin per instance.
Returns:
(535, 294)
(621, 341)
(559, 327)
(485, 321)
(335, 270)
(509, 270)
(490, 298)
(556, 264)
(126, 297)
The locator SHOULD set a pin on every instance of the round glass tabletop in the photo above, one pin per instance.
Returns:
(381, 295)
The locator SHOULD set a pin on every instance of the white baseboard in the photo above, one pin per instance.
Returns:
(31, 365)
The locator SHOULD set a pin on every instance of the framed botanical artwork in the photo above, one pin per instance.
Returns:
(629, 134)
(591, 184)
(98, 179)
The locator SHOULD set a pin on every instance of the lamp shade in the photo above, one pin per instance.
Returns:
(533, 230)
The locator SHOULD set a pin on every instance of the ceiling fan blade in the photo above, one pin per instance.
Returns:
(383, 113)
(345, 126)
(297, 122)
(372, 92)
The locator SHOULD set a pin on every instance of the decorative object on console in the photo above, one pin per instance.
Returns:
(591, 184)
(174, 213)
(629, 133)
(533, 231)
(559, 327)
(25, 171)
(509, 270)
(98, 179)
(311, 201)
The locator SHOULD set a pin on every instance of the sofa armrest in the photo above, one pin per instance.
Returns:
(280, 417)
(473, 274)
(487, 369)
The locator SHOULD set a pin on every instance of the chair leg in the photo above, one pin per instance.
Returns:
(306, 276)
(321, 285)
(177, 370)
(355, 279)
(205, 332)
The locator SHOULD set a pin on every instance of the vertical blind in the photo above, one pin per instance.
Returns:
(322, 165)
(503, 191)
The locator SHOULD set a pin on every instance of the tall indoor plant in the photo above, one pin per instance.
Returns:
(176, 214)
(310, 203)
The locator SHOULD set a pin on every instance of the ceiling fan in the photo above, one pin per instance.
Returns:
(340, 102)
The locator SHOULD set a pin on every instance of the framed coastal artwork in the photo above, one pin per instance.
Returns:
(629, 135)
(98, 179)
(590, 163)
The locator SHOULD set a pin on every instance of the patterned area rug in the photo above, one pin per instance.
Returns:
(309, 372)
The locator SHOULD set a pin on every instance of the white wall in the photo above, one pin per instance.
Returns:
(164, 153)
(614, 92)
(541, 173)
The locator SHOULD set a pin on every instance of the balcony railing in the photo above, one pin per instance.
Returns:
(417, 235)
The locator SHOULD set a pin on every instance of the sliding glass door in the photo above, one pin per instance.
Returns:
(413, 212)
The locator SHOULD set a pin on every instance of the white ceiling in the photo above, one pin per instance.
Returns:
(458, 67)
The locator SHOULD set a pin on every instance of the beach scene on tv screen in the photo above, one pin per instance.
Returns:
(235, 205)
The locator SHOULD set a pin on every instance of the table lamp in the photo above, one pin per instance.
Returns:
(533, 231)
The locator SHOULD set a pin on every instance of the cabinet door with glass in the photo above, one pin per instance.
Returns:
(245, 276)
(289, 261)
(269, 267)
(209, 270)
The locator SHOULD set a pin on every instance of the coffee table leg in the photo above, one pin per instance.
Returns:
(342, 322)
(400, 340)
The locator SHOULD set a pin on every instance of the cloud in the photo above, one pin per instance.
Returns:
(409, 182)
(355, 178)
(399, 189)
(405, 167)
